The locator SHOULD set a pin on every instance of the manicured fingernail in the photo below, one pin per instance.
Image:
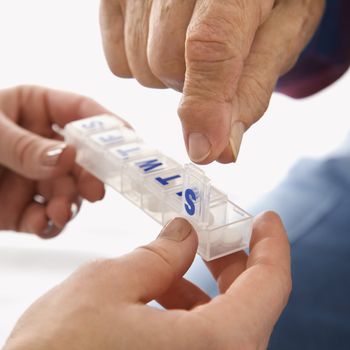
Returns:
(177, 230)
(74, 210)
(38, 198)
(237, 131)
(52, 155)
(50, 228)
(199, 147)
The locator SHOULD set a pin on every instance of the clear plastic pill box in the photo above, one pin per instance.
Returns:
(158, 185)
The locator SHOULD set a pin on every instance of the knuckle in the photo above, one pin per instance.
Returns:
(167, 67)
(213, 62)
(210, 41)
(22, 148)
(162, 255)
(203, 49)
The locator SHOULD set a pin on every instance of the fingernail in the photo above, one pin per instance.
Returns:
(199, 147)
(176, 230)
(50, 228)
(52, 155)
(237, 131)
(38, 198)
(74, 210)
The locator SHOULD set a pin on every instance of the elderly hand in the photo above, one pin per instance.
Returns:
(103, 304)
(225, 56)
(40, 183)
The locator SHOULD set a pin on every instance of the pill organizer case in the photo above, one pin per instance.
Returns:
(159, 185)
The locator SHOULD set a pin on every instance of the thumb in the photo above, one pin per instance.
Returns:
(150, 270)
(218, 41)
(31, 155)
(273, 53)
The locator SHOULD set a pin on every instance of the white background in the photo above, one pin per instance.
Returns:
(57, 44)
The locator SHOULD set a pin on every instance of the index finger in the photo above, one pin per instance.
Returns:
(258, 296)
(41, 107)
(64, 107)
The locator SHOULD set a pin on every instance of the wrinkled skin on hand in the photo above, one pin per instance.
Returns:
(224, 56)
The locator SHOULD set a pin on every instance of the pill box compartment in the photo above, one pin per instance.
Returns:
(229, 231)
(136, 171)
(161, 198)
(118, 156)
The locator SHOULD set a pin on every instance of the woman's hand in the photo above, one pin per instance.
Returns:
(40, 185)
(103, 304)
